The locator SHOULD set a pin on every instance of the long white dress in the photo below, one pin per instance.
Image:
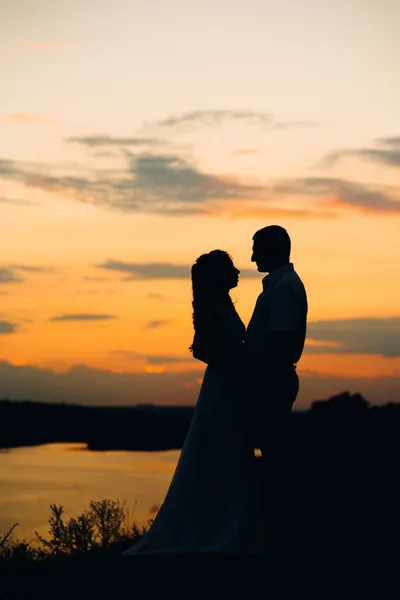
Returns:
(212, 505)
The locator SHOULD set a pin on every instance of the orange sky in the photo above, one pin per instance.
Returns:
(109, 172)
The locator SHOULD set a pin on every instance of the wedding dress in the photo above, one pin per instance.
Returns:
(212, 504)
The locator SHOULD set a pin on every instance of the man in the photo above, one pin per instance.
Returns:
(273, 345)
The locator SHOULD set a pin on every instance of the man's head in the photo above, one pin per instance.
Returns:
(271, 248)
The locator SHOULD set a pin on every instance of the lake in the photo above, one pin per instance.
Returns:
(32, 478)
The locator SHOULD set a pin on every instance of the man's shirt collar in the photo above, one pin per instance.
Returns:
(272, 277)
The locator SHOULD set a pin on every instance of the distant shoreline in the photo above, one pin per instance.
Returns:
(140, 427)
(146, 427)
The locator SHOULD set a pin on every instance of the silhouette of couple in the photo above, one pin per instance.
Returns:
(215, 503)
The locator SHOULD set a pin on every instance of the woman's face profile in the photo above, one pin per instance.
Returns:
(216, 272)
(229, 275)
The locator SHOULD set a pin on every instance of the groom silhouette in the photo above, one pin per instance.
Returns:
(273, 345)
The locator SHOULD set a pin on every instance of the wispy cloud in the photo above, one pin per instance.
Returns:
(390, 141)
(32, 269)
(387, 152)
(176, 179)
(153, 359)
(139, 271)
(356, 336)
(10, 273)
(156, 296)
(136, 271)
(17, 202)
(170, 185)
(106, 140)
(9, 276)
(30, 118)
(157, 324)
(164, 184)
(367, 198)
(7, 327)
(211, 118)
(82, 317)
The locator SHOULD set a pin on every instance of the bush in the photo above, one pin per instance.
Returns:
(105, 527)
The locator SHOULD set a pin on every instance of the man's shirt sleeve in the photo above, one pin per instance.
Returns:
(287, 309)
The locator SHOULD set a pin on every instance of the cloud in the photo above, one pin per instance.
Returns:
(211, 118)
(31, 118)
(44, 46)
(390, 141)
(164, 184)
(88, 386)
(156, 296)
(153, 359)
(157, 324)
(7, 327)
(167, 184)
(356, 336)
(10, 273)
(172, 178)
(139, 271)
(32, 269)
(368, 198)
(8, 276)
(17, 202)
(106, 140)
(82, 317)
(387, 153)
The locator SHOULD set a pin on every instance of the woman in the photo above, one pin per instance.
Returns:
(211, 505)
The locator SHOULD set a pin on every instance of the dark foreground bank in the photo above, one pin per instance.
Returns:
(297, 573)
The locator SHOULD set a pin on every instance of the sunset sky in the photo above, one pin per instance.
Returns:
(134, 136)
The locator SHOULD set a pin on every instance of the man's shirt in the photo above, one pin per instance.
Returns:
(281, 306)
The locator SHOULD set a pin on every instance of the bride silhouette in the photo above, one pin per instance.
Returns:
(212, 505)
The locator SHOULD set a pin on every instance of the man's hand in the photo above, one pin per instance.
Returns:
(284, 348)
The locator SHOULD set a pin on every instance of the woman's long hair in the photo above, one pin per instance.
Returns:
(208, 293)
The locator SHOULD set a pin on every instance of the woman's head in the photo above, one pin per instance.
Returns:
(214, 274)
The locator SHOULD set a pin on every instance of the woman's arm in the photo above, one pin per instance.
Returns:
(213, 350)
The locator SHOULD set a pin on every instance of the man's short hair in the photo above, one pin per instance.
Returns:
(275, 238)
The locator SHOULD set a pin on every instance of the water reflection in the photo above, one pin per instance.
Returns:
(32, 478)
